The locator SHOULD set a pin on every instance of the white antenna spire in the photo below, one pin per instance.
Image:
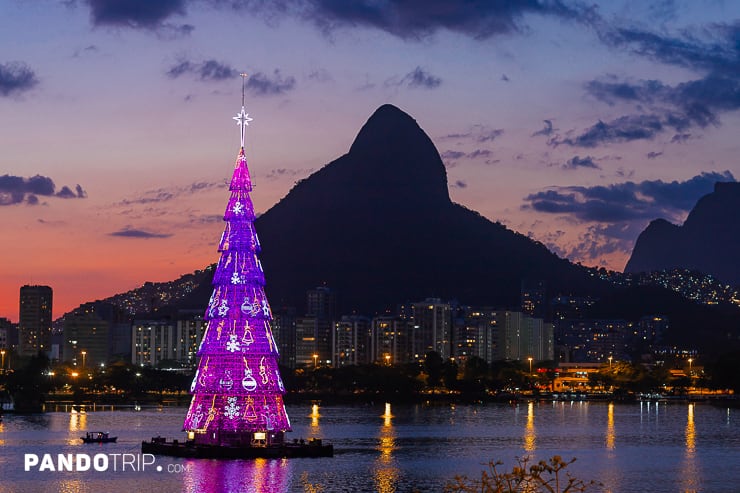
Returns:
(242, 118)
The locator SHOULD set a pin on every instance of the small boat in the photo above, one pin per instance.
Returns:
(98, 437)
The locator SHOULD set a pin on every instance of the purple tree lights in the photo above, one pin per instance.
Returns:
(237, 389)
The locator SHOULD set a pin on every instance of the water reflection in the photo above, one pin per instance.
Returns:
(386, 470)
(315, 415)
(226, 476)
(690, 432)
(315, 429)
(530, 435)
(690, 480)
(71, 486)
(610, 427)
(77, 421)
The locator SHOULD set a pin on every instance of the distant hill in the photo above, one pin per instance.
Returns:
(708, 241)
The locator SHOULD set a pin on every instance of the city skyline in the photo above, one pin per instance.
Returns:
(573, 124)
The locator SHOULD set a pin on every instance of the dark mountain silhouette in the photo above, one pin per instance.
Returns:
(377, 225)
(708, 241)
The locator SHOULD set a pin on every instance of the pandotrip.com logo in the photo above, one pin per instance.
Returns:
(97, 463)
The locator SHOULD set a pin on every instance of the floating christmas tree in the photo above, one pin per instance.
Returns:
(237, 389)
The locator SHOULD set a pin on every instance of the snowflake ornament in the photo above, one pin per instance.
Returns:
(236, 278)
(233, 344)
(231, 410)
(238, 208)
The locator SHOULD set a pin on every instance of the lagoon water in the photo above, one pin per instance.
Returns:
(637, 447)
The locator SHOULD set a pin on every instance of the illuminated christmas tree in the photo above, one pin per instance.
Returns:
(237, 389)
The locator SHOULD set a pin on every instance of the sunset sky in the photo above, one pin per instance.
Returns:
(575, 123)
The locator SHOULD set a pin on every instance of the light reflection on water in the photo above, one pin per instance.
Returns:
(694, 447)
(252, 476)
(689, 470)
(530, 435)
(610, 427)
(385, 468)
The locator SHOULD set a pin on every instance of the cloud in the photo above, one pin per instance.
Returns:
(207, 70)
(137, 14)
(459, 184)
(16, 189)
(578, 162)
(479, 153)
(166, 194)
(546, 131)
(66, 193)
(214, 70)
(452, 154)
(277, 173)
(320, 75)
(89, 49)
(416, 79)
(477, 133)
(680, 138)
(505, 78)
(653, 154)
(449, 156)
(489, 135)
(16, 78)
(627, 201)
(262, 84)
(712, 52)
(417, 19)
(622, 129)
(599, 241)
(419, 78)
(129, 232)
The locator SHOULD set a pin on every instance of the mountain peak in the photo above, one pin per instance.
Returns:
(391, 150)
(386, 125)
(707, 241)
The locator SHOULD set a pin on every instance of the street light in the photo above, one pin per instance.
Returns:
(315, 360)
(2, 352)
(388, 359)
(530, 364)
(610, 362)
(84, 353)
(690, 361)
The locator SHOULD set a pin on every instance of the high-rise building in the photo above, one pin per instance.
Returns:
(591, 340)
(313, 338)
(390, 340)
(156, 340)
(477, 334)
(321, 302)
(86, 334)
(432, 328)
(5, 335)
(351, 341)
(152, 341)
(34, 326)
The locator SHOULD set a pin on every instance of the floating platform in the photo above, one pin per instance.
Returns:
(312, 448)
